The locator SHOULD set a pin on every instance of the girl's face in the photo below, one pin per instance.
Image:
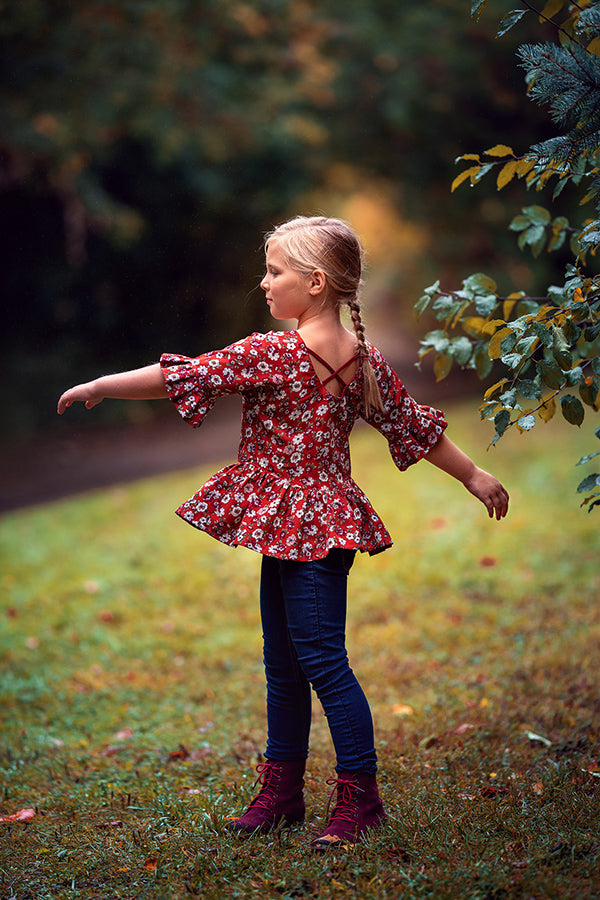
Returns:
(288, 291)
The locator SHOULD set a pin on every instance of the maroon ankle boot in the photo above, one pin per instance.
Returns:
(279, 801)
(358, 807)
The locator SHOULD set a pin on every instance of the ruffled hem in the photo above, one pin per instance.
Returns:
(276, 516)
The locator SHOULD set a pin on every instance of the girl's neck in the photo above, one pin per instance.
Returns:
(321, 328)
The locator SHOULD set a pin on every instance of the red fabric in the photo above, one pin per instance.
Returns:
(291, 495)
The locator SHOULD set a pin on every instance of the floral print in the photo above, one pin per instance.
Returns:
(290, 494)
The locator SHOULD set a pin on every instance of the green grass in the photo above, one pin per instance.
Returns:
(132, 695)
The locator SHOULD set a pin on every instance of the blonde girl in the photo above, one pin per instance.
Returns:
(290, 496)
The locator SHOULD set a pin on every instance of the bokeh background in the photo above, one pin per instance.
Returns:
(147, 145)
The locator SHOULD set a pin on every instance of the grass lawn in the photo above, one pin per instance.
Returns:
(132, 695)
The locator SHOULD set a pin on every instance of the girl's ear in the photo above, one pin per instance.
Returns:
(317, 282)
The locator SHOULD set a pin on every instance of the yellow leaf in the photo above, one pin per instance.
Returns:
(442, 366)
(551, 8)
(476, 326)
(509, 305)
(402, 709)
(524, 166)
(463, 176)
(500, 150)
(507, 173)
(547, 409)
(471, 156)
(494, 349)
(492, 390)
(594, 47)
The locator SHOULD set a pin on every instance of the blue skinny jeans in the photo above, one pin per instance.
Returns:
(303, 611)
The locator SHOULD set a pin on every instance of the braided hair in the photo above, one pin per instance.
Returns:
(332, 247)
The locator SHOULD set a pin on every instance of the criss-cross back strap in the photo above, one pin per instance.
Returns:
(335, 373)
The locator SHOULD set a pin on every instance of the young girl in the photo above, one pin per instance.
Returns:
(290, 497)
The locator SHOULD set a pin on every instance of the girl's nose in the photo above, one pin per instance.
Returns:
(264, 283)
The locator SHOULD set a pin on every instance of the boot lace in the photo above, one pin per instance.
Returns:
(346, 808)
(268, 778)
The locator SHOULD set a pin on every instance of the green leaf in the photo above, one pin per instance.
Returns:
(589, 483)
(520, 223)
(461, 350)
(435, 340)
(479, 282)
(586, 459)
(512, 360)
(477, 7)
(543, 333)
(537, 215)
(572, 409)
(529, 389)
(526, 423)
(482, 362)
(588, 391)
(551, 374)
(511, 19)
(502, 421)
(486, 304)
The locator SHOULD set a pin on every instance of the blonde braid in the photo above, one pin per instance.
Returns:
(371, 393)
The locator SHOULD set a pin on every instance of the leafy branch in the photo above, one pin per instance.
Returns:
(548, 347)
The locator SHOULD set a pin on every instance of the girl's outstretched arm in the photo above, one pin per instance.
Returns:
(448, 457)
(139, 384)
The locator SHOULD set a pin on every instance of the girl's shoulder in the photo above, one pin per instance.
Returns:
(273, 343)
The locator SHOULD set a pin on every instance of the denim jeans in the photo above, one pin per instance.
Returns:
(303, 610)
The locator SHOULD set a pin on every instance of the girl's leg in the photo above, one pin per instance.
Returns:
(288, 690)
(315, 606)
(280, 799)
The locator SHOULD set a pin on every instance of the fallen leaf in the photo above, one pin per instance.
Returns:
(123, 735)
(463, 728)
(32, 643)
(538, 788)
(107, 615)
(182, 753)
(151, 863)
(24, 815)
(11, 612)
(91, 587)
(538, 737)
(402, 710)
(488, 561)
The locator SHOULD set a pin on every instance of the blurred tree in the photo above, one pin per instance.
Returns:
(546, 346)
(146, 145)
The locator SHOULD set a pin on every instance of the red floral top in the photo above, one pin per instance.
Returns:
(290, 494)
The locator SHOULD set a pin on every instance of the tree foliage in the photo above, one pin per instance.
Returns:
(543, 351)
(147, 144)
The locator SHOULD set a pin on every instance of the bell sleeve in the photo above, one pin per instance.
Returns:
(410, 429)
(195, 383)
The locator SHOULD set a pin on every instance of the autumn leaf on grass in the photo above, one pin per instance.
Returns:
(487, 562)
(401, 709)
(182, 753)
(462, 729)
(24, 815)
(151, 863)
(123, 735)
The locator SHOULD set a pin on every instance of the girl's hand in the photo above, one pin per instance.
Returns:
(88, 393)
(489, 490)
